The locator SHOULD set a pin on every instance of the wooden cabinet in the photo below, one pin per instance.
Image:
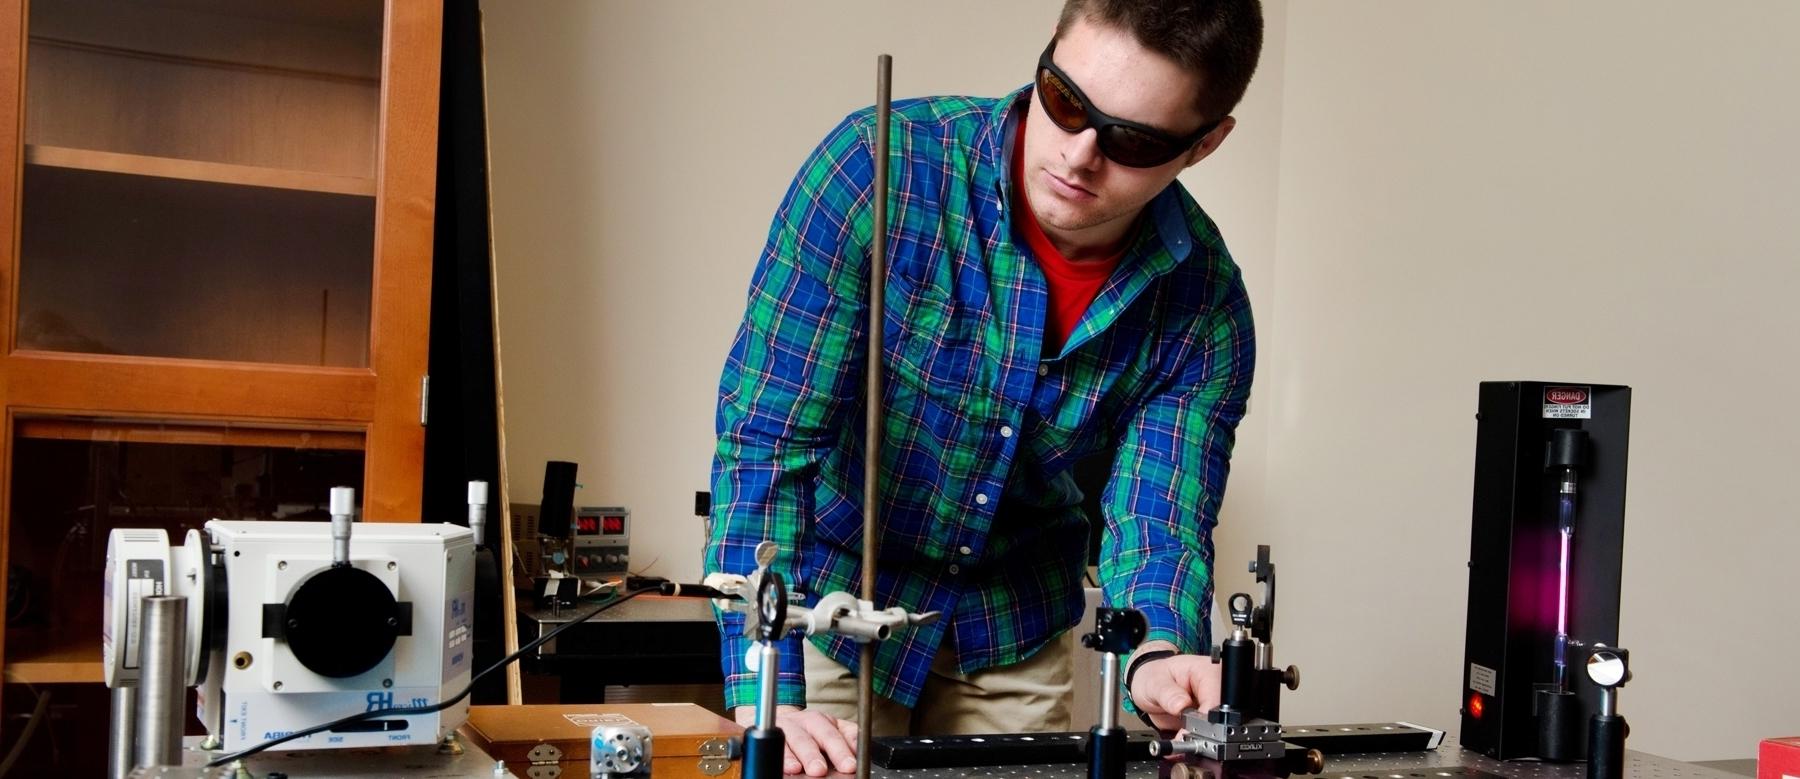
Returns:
(214, 280)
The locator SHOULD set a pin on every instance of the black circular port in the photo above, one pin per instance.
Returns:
(341, 622)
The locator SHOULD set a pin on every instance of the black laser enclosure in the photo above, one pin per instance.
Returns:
(1544, 564)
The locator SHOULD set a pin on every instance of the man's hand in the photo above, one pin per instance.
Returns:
(813, 738)
(1166, 687)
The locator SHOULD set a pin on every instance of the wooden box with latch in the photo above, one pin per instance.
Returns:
(554, 741)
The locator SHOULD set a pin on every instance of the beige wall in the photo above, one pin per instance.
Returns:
(1423, 195)
(639, 151)
(1598, 191)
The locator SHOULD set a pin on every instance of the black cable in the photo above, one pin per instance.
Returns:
(38, 713)
(413, 711)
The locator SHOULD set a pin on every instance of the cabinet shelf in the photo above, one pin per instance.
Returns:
(196, 170)
(39, 656)
(133, 431)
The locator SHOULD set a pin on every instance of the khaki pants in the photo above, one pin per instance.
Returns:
(1032, 696)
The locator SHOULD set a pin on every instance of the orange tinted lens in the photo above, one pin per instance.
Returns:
(1060, 102)
(1127, 146)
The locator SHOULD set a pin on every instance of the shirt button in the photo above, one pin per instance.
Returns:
(966, 551)
(1043, 369)
(954, 568)
(981, 498)
(1005, 431)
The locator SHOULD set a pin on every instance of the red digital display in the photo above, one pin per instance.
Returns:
(612, 526)
(587, 525)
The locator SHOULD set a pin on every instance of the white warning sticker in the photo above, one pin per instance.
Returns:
(1568, 403)
(1483, 679)
(596, 720)
(143, 578)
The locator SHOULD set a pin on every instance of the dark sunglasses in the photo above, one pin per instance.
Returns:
(1127, 143)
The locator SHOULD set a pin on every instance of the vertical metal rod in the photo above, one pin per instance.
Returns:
(343, 508)
(1109, 690)
(478, 498)
(865, 667)
(161, 689)
(768, 670)
(121, 741)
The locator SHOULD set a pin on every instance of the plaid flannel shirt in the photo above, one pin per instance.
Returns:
(977, 419)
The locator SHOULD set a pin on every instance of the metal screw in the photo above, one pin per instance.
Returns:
(278, 685)
(392, 565)
(387, 682)
(281, 566)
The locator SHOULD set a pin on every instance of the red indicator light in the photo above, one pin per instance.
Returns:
(1476, 704)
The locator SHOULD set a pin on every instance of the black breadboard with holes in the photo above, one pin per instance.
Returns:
(1362, 737)
(994, 749)
(1453, 772)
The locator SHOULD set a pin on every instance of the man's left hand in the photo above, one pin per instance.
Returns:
(1165, 687)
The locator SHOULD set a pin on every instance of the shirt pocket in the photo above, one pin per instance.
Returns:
(931, 349)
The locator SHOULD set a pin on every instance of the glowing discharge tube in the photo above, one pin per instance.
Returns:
(1564, 456)
(1565, 510)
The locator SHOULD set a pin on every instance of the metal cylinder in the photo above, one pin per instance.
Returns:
(767, 673)
(764, 750)
(478, 499)
(1238, 674)
(1606, 747)
(863, 629)
(161, 692)
(1559, 726)
(1106, 753)
(343, 507)
(1109, 691)
(122, 732)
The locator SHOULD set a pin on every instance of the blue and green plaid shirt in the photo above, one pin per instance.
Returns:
(980, 515)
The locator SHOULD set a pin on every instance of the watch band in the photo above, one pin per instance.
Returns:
(1131, 669)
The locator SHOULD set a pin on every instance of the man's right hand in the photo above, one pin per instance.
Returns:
(815, 741)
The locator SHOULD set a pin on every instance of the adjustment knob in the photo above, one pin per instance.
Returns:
(1291, 679)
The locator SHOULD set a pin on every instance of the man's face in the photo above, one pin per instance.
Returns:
(1083, 200)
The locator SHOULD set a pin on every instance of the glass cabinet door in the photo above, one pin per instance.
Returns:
(200, 179)
(75, 480)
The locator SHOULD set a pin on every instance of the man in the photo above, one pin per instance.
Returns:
(1052, 294)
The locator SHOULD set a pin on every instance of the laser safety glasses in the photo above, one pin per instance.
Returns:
(1127, 143)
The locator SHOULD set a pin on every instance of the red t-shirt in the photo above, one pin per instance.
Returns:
(1073, 285)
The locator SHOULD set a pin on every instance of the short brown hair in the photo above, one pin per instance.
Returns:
(1218, 39)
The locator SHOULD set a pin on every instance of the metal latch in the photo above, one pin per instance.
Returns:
(716, 755)
(546, 762)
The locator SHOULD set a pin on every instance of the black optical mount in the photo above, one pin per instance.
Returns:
(764, 744)
(1242, 735)
(1609, 668)
(1116, 633)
